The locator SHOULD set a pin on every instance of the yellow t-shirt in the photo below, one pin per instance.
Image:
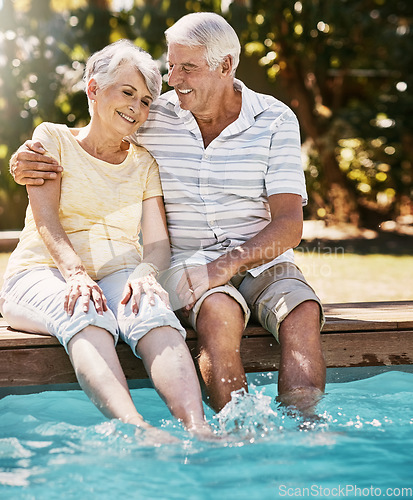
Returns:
(100, 206)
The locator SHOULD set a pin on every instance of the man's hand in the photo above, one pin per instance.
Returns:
(30, 165)
(195, 281)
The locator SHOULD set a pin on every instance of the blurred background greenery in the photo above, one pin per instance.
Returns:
(344, 66)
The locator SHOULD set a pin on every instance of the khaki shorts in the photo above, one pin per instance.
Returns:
(274, 293)
(267, 298)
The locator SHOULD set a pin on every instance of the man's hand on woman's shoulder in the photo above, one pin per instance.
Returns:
(30, 165)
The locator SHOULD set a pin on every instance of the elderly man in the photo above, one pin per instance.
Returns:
(229, 160)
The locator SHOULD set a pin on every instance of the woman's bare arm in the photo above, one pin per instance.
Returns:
(44, 201)
(156, 245)
(156, 254)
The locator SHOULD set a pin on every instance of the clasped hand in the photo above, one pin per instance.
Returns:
(193, 284)
(148, 285)
(81, 286)
(195, 281)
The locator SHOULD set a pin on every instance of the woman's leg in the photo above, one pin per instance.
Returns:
(170, 366)
(99, 373)
(156, 336)
(33, 301)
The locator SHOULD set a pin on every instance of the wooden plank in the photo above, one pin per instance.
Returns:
(35, 366)
(362, 316)
(384, 348)
(50, 364)
(360, 334)
(358, 316)
(347, 349)
(10, 338)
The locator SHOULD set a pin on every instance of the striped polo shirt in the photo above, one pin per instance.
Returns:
(216, 198)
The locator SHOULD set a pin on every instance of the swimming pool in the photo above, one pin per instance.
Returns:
(57, 445)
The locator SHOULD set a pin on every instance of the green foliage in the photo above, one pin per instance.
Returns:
(344, 66)
(35, 74)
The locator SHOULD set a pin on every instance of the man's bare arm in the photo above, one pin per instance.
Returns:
(30, 165)
(282, 233)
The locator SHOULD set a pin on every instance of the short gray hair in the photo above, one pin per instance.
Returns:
(104, 65)
(209, 30)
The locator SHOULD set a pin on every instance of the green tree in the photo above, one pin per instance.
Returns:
(342, 65)
(41, 56)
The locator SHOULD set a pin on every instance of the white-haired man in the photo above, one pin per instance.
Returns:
(229, 160)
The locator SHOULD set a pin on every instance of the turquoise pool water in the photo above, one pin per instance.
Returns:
(57, 445)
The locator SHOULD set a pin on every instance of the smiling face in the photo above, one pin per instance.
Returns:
(196, 85)
(123, 106)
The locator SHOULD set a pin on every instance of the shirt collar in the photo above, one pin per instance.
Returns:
(253, 104)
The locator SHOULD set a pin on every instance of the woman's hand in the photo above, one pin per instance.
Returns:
(81, 286)
(144, 285)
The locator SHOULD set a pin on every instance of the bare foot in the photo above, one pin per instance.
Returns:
(301, 401)
(152, 436)
(204, 432)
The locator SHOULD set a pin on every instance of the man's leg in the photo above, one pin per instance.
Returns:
(283, 302)
(219, 326)
(219, 319)
(301, 378)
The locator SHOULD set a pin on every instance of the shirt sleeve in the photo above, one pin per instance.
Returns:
(153, 182)
(45, 134)
(285, 173)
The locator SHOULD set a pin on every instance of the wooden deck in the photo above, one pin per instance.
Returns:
(359, 334)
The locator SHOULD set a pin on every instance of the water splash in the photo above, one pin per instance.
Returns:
(249, 415)
(256, 416)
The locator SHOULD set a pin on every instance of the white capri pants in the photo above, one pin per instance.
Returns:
(33, 300)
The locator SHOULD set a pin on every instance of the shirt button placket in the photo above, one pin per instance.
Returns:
(205, 191)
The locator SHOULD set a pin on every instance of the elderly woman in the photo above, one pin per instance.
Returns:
(80, 272)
